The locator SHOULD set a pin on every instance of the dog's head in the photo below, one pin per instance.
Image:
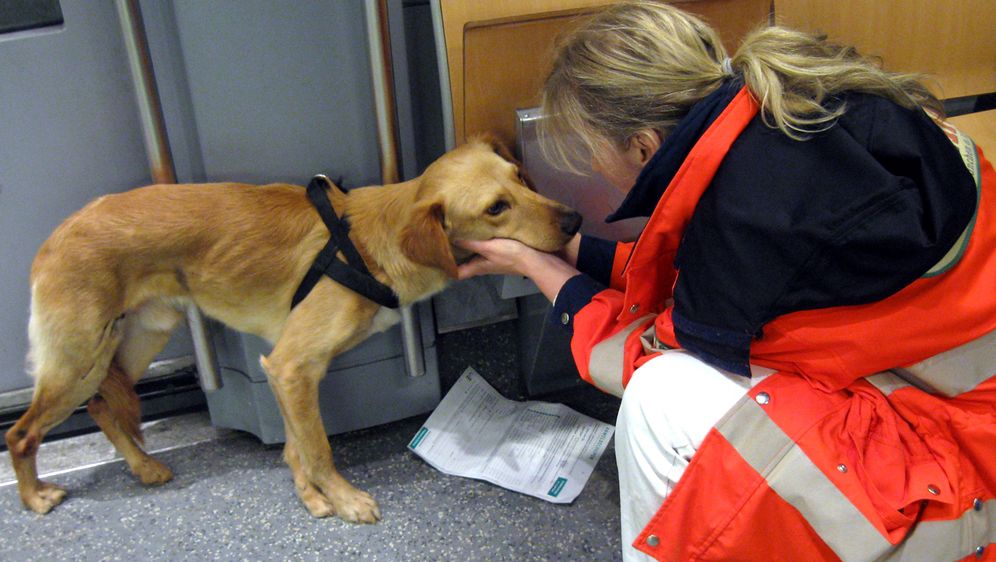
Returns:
(478, 191)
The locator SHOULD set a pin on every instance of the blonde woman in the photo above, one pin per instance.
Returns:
(803, 334)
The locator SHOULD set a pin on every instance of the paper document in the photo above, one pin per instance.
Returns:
(537, 448)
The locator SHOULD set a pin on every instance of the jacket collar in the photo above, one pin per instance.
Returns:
(656, 175)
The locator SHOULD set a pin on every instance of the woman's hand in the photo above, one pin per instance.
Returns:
(569, 252)
(501, 256)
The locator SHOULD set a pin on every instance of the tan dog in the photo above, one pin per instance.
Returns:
(108, 287)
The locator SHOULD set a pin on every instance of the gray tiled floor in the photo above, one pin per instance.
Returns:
(93, 449)
(232, 499)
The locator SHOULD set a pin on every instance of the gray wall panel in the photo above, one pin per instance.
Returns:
(68, 132)
(279, 91)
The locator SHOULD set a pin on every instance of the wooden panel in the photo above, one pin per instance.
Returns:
(982, 128)
(504, 69)
(499, 51)
(732, 19)
(458, 15)
(950, 40)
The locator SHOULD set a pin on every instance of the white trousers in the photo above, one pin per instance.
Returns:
(668, 407)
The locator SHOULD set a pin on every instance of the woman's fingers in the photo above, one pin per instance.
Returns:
(475, 246)
(509, 257)
(498, 256)
(473, 268)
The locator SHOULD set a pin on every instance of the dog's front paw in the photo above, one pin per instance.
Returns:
(356, 506)
(152, 472)
(316, 502)
(43, 497)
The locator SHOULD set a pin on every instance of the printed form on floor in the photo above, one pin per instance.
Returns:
(537, 448)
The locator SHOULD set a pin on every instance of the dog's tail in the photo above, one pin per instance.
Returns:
(118, 392)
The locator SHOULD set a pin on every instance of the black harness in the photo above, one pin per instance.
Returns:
(352, 273)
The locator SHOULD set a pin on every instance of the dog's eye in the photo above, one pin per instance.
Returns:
(498, 208)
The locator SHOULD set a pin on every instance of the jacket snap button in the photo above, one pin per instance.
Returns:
(842, 468)
(977, 504)
(763, 398)
(652, 540)
(565, 319)
(980, 551)
(933, 490)
(634, 309)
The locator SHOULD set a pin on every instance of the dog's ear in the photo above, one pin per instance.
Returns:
(501, 149)
(424, 241)
(497, 144)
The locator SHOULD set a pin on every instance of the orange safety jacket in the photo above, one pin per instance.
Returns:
(852, 450)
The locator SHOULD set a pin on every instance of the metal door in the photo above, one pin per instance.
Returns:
(69, 132)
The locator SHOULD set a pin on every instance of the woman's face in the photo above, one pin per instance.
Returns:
(613, 165)
(622, 165)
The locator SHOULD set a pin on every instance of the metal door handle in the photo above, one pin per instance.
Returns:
(411, 339)
(161, 162)
(381, 76)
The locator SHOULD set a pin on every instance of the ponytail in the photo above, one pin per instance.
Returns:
(797, 79)
(644, 64)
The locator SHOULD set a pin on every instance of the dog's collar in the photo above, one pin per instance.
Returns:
(353, 273)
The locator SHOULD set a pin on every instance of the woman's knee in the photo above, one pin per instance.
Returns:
(676, 391)
(673, 375)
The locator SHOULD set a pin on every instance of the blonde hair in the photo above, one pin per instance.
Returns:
(643, 64)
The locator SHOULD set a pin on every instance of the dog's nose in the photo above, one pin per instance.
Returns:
(570, 223)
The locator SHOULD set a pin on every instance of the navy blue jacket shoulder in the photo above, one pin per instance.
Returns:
(848, 216)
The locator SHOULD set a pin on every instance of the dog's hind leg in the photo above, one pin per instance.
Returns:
(116, 407)
(63, 383)
(23, 440)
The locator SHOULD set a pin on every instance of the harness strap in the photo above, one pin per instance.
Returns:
(353, 273)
